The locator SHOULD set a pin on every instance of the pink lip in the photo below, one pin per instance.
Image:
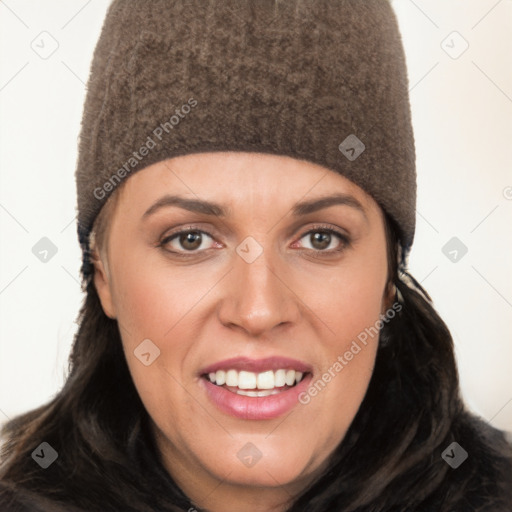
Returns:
(258, 365)
(255, 408)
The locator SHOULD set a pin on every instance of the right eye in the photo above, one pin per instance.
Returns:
(190, 240)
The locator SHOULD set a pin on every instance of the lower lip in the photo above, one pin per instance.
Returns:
(255, 408)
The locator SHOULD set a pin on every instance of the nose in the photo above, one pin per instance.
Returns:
(257, 297)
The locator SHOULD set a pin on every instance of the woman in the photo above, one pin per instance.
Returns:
(250, 337)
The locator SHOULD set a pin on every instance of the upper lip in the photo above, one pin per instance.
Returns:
(258, 365)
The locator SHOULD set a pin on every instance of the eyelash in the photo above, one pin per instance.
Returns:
(344, 239)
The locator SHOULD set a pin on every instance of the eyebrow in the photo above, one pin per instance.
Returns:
(215, 209)
(314, 205)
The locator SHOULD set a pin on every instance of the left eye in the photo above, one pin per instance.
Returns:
(322, 239)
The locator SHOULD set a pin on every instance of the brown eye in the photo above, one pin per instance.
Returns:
(324, 240)
(191, 240)
(187, 241)
(320, 240)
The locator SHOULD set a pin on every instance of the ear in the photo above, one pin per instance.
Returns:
(389, 297)
(102, 284)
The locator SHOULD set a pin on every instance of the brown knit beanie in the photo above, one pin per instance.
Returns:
(318, 80)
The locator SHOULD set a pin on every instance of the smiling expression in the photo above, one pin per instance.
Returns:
(250, 273)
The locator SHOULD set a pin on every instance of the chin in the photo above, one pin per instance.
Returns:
(282, 473)
(262, 463)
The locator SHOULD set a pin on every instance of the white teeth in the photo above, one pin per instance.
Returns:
(279, 378)
(247, 380)
(264, 381)
(290, 377)
(254, 394)
(219, 377)
(231, 378)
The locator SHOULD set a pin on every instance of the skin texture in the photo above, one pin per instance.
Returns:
(214, 305)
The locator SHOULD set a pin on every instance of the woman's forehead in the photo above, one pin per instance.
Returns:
(232, 176)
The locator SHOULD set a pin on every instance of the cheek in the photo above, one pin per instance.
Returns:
(156, 302)
(350, 305)
(351, 299)
(153, 303)
(152, 299)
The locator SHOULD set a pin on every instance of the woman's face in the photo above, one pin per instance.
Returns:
(273, 284)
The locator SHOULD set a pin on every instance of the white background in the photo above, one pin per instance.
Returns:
(462, 114)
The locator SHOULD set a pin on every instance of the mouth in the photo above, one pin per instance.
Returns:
(251, 389)
(256, 385)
